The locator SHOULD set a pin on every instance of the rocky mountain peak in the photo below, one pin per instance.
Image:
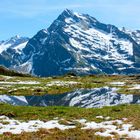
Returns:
(77, 43)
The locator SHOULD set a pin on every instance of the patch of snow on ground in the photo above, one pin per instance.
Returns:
(118, 83)
(110, 127)
(61, 83)
(20, 83)
(6, 77)
(135, 87)
(17, 127)
(99, 117)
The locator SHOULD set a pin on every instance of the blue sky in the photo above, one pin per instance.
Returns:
(27, 17)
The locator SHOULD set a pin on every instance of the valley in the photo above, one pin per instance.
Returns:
(93, 106)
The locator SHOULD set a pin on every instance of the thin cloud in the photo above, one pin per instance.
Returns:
(32, 10)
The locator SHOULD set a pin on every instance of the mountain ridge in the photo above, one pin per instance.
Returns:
(81, 44)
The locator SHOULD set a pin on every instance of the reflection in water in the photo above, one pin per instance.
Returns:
(87, 98)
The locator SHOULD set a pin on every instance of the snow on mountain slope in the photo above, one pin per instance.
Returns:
(17, 43)
(91, 40)
(11, 54)
(19, 47)
(135, 34)
(94, 47)
(4, 46)
(76, 43)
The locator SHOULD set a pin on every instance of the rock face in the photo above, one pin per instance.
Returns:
(77, 43)
(87, 98)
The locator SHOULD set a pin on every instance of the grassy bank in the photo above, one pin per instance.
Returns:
(55, 134)
(49, 85)
(132, 112)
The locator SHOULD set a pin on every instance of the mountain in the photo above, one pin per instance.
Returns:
(134, 34)
(77, 43)
(15, 43)
(11, 53)
(7, 72)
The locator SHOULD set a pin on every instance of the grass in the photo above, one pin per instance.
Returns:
(132, 112)
(55, 134)
(91, 81)
(69, 114)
